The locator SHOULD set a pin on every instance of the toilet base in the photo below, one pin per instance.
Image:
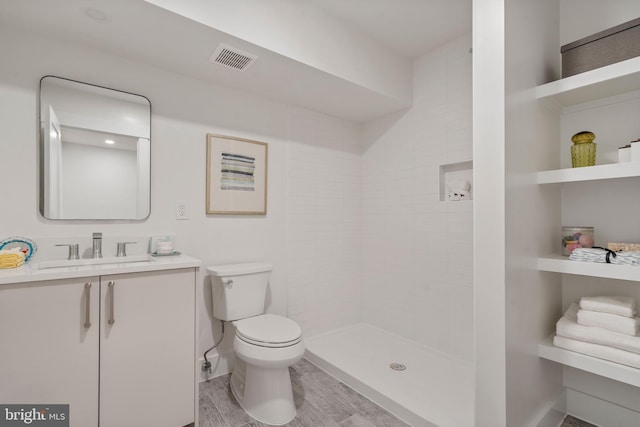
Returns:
(265, 394)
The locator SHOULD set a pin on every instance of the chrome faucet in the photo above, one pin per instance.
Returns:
(97, 245)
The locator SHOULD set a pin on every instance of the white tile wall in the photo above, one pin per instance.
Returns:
(367, 237)
(418, 251)
(324, 209)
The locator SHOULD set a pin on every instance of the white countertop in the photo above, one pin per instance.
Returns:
(30, 272)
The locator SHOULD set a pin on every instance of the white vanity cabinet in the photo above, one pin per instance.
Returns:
(48, 355)
(147, 340)
(118, 348)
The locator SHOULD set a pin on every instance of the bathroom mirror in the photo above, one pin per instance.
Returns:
(95, 152)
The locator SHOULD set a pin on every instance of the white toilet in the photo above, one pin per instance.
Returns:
(265, 344)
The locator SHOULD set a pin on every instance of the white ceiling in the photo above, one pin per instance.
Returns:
(142, 32)
(97, 139)
(410, 27)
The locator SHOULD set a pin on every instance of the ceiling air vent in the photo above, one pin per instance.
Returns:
(232, 57)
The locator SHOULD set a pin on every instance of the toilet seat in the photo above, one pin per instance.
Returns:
(268, 330)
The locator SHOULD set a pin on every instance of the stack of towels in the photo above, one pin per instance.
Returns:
(604, 327)
(11, 258)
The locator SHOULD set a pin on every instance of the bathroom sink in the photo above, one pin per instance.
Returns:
(142, 259)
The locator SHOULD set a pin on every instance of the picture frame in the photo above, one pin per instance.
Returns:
(236, 176)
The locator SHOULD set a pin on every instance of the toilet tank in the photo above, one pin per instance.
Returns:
(239, 290)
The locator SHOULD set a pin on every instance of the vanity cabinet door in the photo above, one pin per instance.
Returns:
(49, 346)
(147, 349)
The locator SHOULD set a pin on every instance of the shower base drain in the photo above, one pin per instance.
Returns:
(397, 366)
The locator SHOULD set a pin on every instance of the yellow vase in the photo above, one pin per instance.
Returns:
(583, 150)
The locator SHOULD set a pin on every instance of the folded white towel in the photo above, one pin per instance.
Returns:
(568, 327)
(601, 255)
(612, 322)
(599, 351)
(622, 306)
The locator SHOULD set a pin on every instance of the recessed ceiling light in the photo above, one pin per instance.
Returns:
(96, 14)
(109, 141)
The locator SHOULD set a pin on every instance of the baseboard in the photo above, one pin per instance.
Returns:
(221, 364)
(600, 412)
(551, 414)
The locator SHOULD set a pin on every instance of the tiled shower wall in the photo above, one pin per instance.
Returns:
(324, 230)
(418, 274)
(367, 237)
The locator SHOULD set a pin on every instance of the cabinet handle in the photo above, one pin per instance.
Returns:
(112, 288)
(87, 301)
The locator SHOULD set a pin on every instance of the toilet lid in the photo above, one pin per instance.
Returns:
(268, 330)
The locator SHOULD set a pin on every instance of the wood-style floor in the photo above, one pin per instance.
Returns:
(320, 399)
(570, 421)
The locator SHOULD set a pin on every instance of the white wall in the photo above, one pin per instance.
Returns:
(418, 272)
(533, 299)
(515, 49)
(89, 171)
(324, 221)
(582, 18)
(489, 211)
(367, 237)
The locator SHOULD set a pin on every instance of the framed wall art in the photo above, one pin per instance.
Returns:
(236, 176)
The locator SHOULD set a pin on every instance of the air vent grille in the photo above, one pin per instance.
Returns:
(232, 57)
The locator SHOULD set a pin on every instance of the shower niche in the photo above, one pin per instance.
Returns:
(456, 181)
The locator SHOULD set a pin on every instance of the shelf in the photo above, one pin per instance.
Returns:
(614, 79)
(604, 368)
(590, 173)
(562, 264)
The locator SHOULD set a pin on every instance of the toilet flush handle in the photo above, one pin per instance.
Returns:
(228, 283)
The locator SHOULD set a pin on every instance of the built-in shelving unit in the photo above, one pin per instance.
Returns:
(562, 264)
(615, 371)
(615, 79)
